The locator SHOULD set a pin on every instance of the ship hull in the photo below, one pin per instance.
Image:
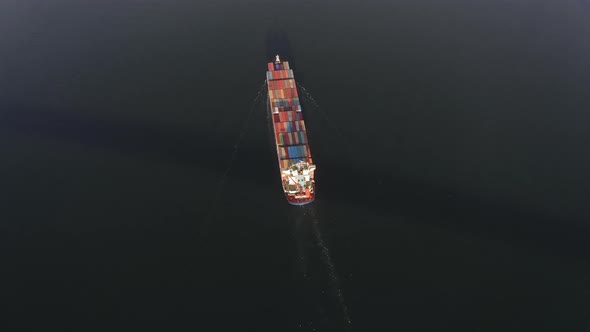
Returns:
(299, 203)
(296, 166)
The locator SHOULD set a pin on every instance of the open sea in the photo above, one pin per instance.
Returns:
(450, 137)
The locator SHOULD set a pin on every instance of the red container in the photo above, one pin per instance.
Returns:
(288, 139)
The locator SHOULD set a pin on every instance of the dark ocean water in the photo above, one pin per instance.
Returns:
(452, 166)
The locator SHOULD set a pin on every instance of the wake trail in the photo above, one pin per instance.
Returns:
(316, 106)
(327, 260)
(300, 242)
(310, 211)
(234, 156)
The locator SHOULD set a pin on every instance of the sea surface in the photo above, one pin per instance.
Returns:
(451, 143)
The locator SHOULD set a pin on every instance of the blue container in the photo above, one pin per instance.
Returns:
(298, 151)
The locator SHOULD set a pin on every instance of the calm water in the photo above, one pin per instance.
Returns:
(452, 172)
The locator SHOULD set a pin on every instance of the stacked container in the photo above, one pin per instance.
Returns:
(289, 127)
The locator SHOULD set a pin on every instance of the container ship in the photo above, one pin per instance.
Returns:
(295, 164)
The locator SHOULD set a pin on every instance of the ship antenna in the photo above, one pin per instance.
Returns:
(277, 59)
